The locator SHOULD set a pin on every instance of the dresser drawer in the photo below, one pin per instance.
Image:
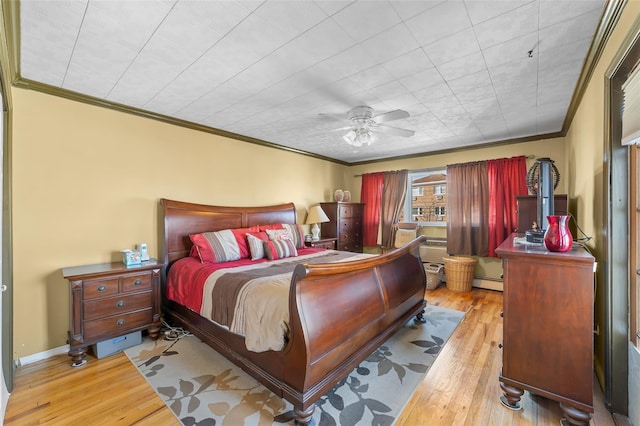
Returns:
(136, 282)
(345, 210)
(100, 288)
(351, 245)
(117, 324)
(117, 305)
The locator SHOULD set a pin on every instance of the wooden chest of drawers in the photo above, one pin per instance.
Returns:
(109, 300)
(345, 224)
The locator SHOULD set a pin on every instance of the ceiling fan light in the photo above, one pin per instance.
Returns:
(350, 137)
(365, 138)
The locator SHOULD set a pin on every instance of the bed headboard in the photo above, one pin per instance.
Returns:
(179, 219)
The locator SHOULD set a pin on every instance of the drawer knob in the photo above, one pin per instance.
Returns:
(137, 282)
(120, 304)
(102, 288)
(500, 345)
(120, 322)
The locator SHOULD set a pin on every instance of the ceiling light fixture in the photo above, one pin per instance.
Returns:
(359, 136)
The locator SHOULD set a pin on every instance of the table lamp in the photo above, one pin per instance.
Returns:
(316, 215)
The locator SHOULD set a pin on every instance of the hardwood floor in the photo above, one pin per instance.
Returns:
(460, 389)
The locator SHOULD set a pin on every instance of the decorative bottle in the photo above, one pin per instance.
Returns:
(558, 237)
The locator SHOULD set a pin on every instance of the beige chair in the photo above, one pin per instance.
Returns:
(405, 232)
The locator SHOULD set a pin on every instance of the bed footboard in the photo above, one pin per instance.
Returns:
(341, 313)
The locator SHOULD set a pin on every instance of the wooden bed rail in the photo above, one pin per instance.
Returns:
(343, 312)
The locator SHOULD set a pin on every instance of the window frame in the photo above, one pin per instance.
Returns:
(408, 201)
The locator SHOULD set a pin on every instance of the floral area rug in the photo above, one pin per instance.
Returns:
(202, 388)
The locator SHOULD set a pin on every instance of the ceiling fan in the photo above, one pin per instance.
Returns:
(363, 125)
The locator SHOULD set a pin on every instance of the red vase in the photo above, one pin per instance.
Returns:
(558, 236)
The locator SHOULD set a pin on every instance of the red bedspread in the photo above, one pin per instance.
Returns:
(187, 276)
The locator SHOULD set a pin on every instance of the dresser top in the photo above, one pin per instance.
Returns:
(74, 272)
(512, 248)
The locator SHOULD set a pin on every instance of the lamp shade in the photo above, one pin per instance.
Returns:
(316, 215)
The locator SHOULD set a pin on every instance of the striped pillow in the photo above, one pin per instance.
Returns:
(279, 249)
(255, 240)
(216, 247)
(295, 230)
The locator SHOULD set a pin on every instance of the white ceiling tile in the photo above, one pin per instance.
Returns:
(45, 46)
(372, 77)
(476, 94)
(437, 91)
(566, 72)
(482, 10)
(570, 52)
(363, 20)
(467, 65)
(523, 71)
(332, 7)
(423, 79)
(290, 17)
(554, 12)
(439, 22)
(389, 44)
(511, 50)
(323, 41)
(456, 46)
(111, 36)
(569, 31)
(480, 78)
(408, 64)
(514, 24)
(404, 102)
(410, 8)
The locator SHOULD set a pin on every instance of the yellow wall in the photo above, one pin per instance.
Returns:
(585, 150)
(86, 183)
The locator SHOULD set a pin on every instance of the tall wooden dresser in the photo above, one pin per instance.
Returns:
(547, 345)
(345, 224)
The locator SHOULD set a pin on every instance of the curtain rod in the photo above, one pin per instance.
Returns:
(528, 157)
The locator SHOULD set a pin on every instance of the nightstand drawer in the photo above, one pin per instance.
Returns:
(96, 309)
(118, 324)
(100, 288)
(136, 282)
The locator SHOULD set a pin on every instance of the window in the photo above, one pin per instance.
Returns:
(428, 202)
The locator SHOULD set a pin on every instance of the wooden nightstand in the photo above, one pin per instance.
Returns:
(328, 243)
(109, 300)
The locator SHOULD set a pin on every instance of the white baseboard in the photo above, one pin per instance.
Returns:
(489, 284)
(43, 355)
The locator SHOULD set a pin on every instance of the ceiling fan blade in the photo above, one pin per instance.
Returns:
(391, 115)
(396, 131)
(341, 128)
(339, 117)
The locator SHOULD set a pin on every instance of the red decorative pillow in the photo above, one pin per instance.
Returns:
(279, 249)
(221, 246)
(241, 239)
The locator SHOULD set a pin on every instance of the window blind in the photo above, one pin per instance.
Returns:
(631, 108)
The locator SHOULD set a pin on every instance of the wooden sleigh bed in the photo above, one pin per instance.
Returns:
(339, 313)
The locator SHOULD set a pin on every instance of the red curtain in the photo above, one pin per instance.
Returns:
(507, 178)
(371, 196)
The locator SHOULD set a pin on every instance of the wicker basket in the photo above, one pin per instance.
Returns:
(434, 273)
(459, 272)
